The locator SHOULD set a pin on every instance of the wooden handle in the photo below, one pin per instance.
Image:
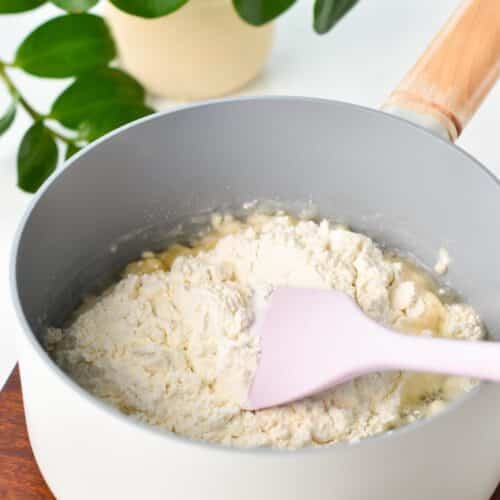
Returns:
(457, 70)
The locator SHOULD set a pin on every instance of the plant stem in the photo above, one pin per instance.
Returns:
(64, 138)
(14, 92)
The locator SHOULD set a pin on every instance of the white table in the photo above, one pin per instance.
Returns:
(359, 62)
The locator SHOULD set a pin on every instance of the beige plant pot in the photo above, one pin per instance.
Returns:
(200, 51)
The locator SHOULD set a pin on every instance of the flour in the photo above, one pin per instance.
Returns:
(443, 261)
(171, 344)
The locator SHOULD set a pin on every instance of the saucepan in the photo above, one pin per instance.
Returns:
(399, 182)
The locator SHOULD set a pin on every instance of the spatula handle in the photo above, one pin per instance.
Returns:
(479, 359)
(451, 78)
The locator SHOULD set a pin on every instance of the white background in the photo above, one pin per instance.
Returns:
(360, 61)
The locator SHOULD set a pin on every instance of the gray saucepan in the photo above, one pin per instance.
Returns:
(403, 185)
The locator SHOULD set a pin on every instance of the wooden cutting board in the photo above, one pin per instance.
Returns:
(20, 478)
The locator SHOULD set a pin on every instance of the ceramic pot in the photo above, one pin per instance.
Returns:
(200, 51)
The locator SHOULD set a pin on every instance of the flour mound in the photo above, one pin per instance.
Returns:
(175, 348)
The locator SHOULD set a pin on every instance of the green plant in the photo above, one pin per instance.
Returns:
(256, 12)
(79, 44)
(99, 99)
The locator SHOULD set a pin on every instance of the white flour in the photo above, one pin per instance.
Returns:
(443, 261)
(174, 348)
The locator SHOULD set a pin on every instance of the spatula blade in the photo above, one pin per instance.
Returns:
(310, 341)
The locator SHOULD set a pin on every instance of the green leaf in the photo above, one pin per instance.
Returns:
(100, 101)
(36, 158)
(66, 46)
(258, 12)
(12, 6)
(93, 94)
(71, 150)
(328, 12)
(149, 8)
(110, 118)
(8, 118)
(75, 5)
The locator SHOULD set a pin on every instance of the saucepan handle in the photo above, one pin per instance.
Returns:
(451, 78)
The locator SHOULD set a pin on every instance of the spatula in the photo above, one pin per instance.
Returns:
(312, 340)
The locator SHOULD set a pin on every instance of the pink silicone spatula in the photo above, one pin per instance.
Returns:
(312, 340)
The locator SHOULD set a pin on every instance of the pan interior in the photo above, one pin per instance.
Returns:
(400, 185)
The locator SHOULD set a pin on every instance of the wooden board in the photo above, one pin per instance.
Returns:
(20, 478)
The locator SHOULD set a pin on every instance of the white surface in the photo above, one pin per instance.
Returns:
(359, 62)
